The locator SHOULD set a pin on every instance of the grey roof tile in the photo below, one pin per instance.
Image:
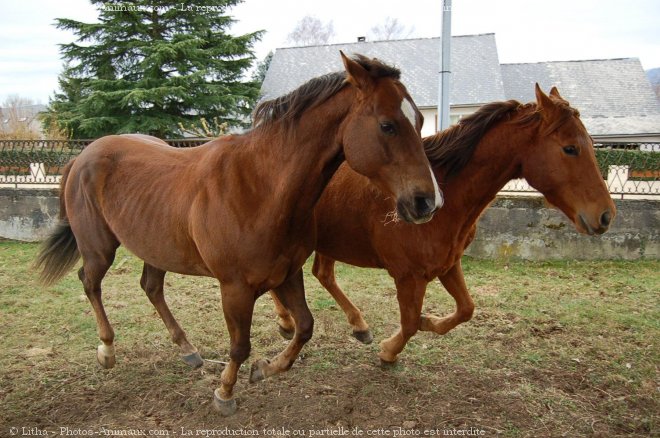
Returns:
(613, 95)
(476, 75)
(628, 125)
(598, 88)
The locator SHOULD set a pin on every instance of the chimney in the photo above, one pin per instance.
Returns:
(361, 39)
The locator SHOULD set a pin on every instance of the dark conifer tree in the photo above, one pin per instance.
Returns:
(151, 66)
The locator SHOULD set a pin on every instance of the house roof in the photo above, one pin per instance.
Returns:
(476, 74)
(599, 88)
(613, 95)
(624, 126)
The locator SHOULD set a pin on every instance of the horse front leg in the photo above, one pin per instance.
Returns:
(291, 295)
(454, 282)
(324, 271)
(410, 294)
(238, 306)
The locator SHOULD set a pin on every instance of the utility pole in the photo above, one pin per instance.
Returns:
(445, 52)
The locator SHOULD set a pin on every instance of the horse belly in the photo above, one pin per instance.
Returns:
(162, 253)
(352, 248)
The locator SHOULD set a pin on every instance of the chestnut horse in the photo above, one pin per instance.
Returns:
(239, 208)
(546, 143)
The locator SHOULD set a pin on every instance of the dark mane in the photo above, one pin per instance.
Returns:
(291, 106)
(452, 148)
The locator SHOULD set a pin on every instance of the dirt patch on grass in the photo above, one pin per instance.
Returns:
(151, 389)
(530, 363)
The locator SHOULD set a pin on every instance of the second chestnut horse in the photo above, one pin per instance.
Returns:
(544, 142)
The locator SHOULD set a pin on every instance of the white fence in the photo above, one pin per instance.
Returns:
(619, 182)
(37, 179)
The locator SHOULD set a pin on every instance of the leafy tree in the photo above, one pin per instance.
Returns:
(310, 31)
(391, 29)
(17, 117)
(150, 66)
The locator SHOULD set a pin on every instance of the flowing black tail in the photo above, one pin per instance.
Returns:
(59, 252)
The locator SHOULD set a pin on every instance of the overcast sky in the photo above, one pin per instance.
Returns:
(525, 30)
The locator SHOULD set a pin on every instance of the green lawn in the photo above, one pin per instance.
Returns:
(554, 349)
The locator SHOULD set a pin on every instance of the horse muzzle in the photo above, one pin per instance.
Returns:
(595, 227)
(419, 208)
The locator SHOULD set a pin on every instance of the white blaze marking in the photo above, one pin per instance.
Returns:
(439, 200)
(409, 111)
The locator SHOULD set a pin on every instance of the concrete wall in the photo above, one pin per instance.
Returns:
(27, 215)
(527, 228)
(516, 228)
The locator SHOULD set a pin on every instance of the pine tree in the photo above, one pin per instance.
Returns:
(152, 66)
(261, 69)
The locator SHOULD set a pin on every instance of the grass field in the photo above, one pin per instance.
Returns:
(554, 349)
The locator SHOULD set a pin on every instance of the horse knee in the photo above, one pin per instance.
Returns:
(409, 331)
(144, 282)
(324, 275)
(321, 275)
(305, 329)
(465, 313)
(240, 352)
(151, 286)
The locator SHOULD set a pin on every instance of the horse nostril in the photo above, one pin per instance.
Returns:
(424, 205)
(605, 218)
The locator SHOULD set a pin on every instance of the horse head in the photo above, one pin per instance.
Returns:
(562, 165)
(381, 139)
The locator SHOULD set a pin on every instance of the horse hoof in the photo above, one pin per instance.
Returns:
(193, 360)
(364, 336)
(257, 372)
(387, 365)
(286, 334)
(105, 355)
(225, 407)
(387, 361)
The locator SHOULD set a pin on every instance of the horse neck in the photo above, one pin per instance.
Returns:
(497, 159)
(301, 161)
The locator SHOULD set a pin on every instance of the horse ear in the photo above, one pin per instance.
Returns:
(542, 99)
(356, 74)
(554, 92)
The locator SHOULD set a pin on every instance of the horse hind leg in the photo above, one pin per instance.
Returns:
(324, 271)
(91, 274)
(285, 322)
(152, 282)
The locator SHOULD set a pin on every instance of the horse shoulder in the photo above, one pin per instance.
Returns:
(346, 219)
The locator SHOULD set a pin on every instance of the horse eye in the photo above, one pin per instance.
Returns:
(570, 150)
(387, 128)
